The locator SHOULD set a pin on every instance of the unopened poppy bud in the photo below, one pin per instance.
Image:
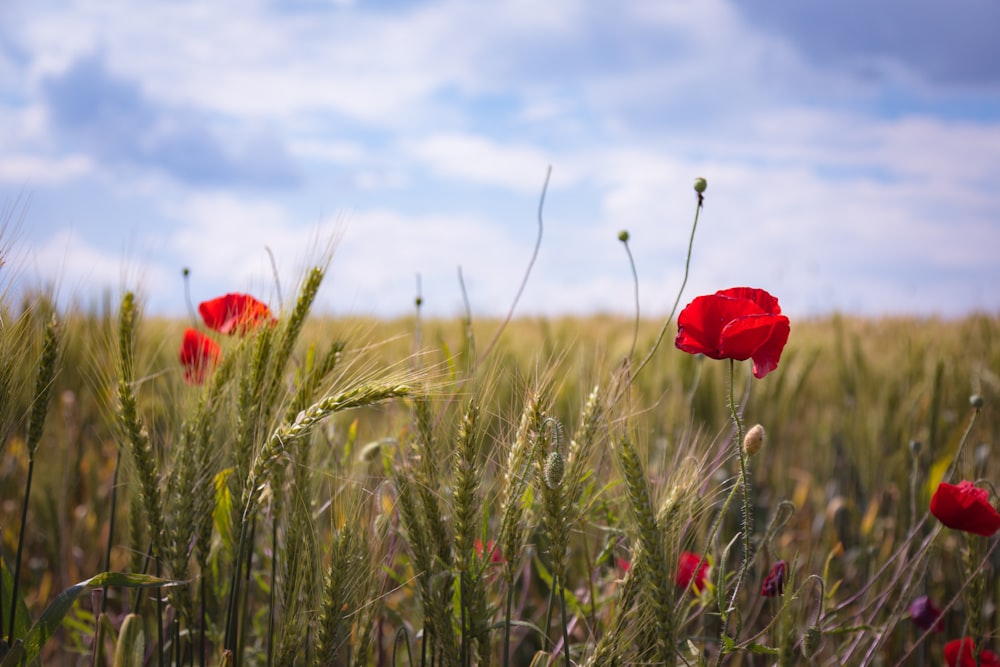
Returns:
(700, 185)
(915, 447)
(555, 466)
(976, 401)
(754, 440)
(623, 236)
(811, 640)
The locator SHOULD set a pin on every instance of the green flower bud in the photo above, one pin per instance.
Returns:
(700, 185)
(623, 236)
(555, 466)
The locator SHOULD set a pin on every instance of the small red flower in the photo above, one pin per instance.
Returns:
(925, 614)
(738, 323)
(234, 313)
(691, 570)
(623, 564)
(774, 582)
(494, 551)
(963, 506)
(962, 653)
(198, 354)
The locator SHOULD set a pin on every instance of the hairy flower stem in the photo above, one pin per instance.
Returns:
(744, 483)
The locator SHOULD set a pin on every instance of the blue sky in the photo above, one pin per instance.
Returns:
(852, 151)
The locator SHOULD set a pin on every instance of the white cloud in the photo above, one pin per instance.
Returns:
(32, 170)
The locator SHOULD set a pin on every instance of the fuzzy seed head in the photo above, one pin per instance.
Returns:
(754, 440)
(555, 466)
(700, 185)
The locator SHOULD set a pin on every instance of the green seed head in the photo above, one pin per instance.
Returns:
(700, 185)
(623, 236)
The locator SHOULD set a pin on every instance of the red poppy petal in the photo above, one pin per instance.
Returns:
(198, 354)
(766, 358)
(701, 323)
(233, 313)
(965, 507)
(967, 649)
(762, 298)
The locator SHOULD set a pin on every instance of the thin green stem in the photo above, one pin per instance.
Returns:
(677, 300)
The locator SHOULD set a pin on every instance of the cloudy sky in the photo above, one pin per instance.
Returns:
(852, 151)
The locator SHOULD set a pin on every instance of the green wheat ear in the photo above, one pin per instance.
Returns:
(133, 429)
(657, 586)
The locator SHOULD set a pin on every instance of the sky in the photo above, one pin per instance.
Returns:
(851, 150)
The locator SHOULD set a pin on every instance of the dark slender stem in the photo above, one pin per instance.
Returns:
(111, 526)
(506, 621)
(565, 628)
(20, 548)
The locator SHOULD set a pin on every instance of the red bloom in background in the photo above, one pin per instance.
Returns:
(198, 354)
(494, 551)
(774, 582)
(234, 313)
(963, 506)
(689, 572)
(967, 649)
(738, 323)
(925, 614)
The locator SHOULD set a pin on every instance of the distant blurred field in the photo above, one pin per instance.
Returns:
(862, 417)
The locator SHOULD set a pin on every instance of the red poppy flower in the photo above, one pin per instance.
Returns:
(774, 582)
(967, 650)
(925, 614)
(738, 323)
(494, 551)
(623, 564)
(198, 354)
(234, 313)
(690, 567)
(963, 506)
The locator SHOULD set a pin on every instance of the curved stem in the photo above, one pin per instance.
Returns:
(527, 272)
(20, 548)
(677, 300)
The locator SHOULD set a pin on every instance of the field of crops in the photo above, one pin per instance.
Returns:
(285, 489)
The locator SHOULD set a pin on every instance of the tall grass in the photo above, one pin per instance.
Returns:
(329, 497)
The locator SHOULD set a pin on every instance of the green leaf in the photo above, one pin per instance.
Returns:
(130, 647)
(52, 617)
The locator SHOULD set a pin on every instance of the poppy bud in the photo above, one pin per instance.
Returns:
(774, 583)
(976, 401)
(555, 466)
(754, 440)
(915, 446)
(811, 640)
(700, 185)
(925, 614)
(623, 236)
